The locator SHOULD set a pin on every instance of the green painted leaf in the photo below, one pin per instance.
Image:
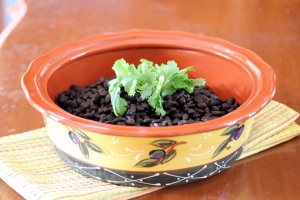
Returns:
(220, 148)
(169, 156)
(149, 162)
(82, 134)
(231, 130)
(163, 143)
(84, 150)
(94, 147)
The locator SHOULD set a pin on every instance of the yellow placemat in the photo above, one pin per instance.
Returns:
(29, 164)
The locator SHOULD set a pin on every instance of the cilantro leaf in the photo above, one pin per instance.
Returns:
(156, 100)
(119, 104)
(153, 82)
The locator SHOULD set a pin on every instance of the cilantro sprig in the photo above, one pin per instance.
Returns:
(153, 82)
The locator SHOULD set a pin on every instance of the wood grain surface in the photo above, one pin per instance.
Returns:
(269, 28)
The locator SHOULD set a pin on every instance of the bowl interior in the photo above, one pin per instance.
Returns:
(229, 70)
(224, 76)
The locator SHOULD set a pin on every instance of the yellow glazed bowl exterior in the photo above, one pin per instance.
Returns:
(115, 154)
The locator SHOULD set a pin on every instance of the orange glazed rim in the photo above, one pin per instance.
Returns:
(34, 81)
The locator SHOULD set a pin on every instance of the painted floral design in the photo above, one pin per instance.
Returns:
(163, 155)
(234, 132)
(83, 141)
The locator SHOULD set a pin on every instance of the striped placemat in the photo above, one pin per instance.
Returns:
(29, 164)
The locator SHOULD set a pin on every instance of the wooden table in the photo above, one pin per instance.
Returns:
(269, 28)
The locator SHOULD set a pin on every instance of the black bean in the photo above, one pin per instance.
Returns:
(62, 98)
(175, 121)
(172, 110)
(100, 87)
(214, 102)
(191, 111)
(185, 108)
(168, 97)
(101, 110)
(130, 121)
(205, 98)
(207, 110)
(105, 83)
(231, 101)
(147, 121)
(215, 108)
(141, 114)
(96, 97)
(88, 115)
(129, 98)
(115, 121)
(109, 117)
(75, 88)
(107, 99)
(73, 104)
(198, 99)
(182, 100)
(94, 107)
(214, 97)
(205, 92)
(202, 105)
(185, 116)
(192, 105)
(79, 110)
(140, 108)
(177, 115)
(197, 90)
(139, 100)
(131, 110)
(168, 104)
(138, 121)
(145, 105)
(175, 104)
(169, 122)
(101, 80)
(181, 122)
(196, 115)
(199, 110)
(225, 106)
(103, 92)
(85, 104)
(164, 123)
(205, 118)
(230, 110)
(218, 113)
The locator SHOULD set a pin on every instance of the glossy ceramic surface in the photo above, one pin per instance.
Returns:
(156, 161)
(228, 69)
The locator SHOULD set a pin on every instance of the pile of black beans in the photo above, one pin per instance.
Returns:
(93, 102)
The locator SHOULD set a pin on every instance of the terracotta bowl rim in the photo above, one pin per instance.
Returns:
(262, 75)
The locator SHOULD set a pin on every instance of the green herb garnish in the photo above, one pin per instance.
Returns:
(153, 82)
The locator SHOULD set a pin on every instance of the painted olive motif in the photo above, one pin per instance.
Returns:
(157, 154)
(74, 137)
(234, 132)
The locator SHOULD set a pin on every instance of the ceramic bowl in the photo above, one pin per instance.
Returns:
(124, 154)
